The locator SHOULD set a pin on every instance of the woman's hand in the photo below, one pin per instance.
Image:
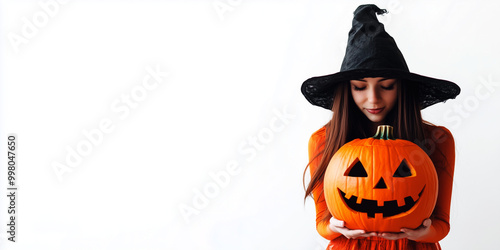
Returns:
(338, 226)
(411, 234)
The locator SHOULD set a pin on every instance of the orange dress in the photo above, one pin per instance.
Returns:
(442, 153)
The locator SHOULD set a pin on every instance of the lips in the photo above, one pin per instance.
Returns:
(375, 111)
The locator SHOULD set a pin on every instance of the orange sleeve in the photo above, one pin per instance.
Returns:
(315, 146)
(442, 154)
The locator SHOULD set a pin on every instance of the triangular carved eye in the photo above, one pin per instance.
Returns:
(356, 170)
(403, 170)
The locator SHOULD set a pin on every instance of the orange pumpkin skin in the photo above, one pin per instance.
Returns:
(398, 188)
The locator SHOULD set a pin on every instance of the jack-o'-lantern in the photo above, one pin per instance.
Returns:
(381, 184)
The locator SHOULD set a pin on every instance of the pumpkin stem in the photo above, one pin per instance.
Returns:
(384, 132)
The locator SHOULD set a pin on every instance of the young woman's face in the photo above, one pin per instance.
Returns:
(375, 96)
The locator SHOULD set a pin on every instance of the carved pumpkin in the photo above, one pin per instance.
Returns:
(381, 184)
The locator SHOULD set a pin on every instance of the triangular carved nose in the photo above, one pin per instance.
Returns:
(381, 184)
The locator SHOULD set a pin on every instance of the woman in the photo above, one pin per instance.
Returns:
(375, 87)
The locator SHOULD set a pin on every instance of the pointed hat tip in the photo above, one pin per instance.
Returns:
(370, 8)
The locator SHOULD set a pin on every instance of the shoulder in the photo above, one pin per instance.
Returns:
(438, 134)
(316, 146)
(317, 138)
(441, 145)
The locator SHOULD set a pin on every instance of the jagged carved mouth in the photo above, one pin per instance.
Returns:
(390, 208)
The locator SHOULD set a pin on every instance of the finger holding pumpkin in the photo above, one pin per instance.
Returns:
(393, 236)
(411, 234)
(338, 226)
(415, 234)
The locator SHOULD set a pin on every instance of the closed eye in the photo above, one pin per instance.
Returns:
(359, 88)
(390, 87)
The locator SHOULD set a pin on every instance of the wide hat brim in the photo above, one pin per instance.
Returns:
(372, 52)
(319, 90)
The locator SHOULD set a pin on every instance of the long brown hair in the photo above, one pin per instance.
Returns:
(349, 123)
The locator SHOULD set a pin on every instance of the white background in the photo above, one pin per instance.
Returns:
(231, 97)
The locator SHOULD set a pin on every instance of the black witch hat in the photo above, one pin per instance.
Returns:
(371, 52)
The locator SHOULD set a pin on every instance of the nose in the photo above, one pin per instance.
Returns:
(373, 95)
(380, 184)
